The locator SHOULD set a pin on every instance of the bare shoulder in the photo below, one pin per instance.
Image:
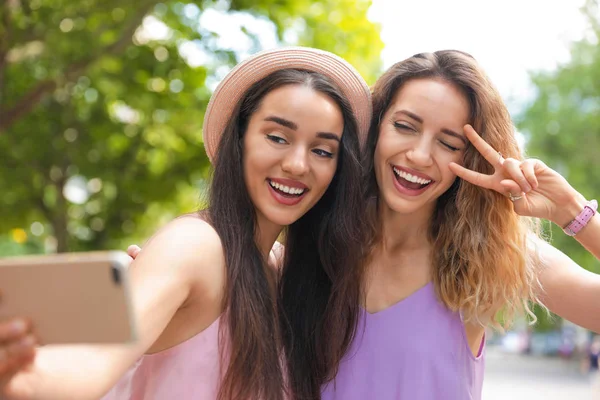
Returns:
(187, 244)
(190, 230)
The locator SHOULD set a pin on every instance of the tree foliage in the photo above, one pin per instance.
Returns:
(562, 127)
(562, 124)
(102, 101)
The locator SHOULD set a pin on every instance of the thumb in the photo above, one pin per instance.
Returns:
(133, 251)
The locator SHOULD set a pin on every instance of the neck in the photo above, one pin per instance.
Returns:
(402, 258)
(401, 232)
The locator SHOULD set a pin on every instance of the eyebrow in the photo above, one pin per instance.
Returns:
(445, 131)
(282, 121)
(293, 126)
(328, 135)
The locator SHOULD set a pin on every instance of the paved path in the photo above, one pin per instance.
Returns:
(516, 377)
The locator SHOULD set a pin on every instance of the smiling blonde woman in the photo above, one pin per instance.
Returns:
(450, 242)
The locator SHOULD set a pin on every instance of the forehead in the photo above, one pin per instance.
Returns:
(301, 103)
(432, 97)
(291, 94)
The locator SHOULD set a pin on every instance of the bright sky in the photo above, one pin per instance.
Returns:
(508, 37)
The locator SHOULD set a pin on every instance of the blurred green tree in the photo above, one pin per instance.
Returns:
(102, 101)
(562, 124)
(562, 128)
(17, 242)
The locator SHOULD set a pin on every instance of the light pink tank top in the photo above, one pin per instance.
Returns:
(190, 370)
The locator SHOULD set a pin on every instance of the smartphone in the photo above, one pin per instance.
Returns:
(71, 298)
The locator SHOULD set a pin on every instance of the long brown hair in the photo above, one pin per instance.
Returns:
(255, 334)
(480, 256)
(320, 285)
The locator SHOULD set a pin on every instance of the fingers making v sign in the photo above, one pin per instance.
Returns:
(535, 189)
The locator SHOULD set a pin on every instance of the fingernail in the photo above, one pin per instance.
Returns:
(527, 188)
(18, 327)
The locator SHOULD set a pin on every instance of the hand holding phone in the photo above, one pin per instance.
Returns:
(17, 344)
(70, 298)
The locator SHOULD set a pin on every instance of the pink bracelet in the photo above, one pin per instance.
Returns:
(582, 219)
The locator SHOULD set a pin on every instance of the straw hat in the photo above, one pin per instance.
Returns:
(233, 87)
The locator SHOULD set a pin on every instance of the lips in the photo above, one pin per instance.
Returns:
(410, 182)
(288, 192)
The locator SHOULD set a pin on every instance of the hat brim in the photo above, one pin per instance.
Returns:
(231, 89)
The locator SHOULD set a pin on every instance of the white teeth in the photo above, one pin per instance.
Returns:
(286, 189)
(411, 178)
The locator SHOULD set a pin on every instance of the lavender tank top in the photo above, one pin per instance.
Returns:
(413, 350)
(190, 370)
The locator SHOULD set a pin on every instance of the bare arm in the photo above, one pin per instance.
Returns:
(162, 278)
(568, 289)
(538, 191)
(589, 235)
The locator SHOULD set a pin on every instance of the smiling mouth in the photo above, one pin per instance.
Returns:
(286, 191)
(409, 181)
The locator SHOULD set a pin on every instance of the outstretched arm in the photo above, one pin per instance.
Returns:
(162, 278)
(538, 191)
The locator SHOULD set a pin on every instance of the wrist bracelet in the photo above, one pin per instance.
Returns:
(582, 219)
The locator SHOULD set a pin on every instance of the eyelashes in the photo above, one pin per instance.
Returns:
(318, 152)
(276, 139)
(403, 128)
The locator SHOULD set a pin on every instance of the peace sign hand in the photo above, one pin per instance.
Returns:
(535, 189)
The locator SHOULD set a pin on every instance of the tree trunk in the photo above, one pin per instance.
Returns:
(59, 222)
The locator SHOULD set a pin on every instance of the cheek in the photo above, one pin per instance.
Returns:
(324, 176)
(379, 158)
(377, 154)
(444, 158)
(253, 165)
(459, 158)
(448, 178)
(388, 144)
(247, 162)
(445, 166)
(256, 156)
(248, 178)
(379, 147)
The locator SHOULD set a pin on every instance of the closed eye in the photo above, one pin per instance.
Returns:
(323, 153)
(398, 125)
(276, 139)
(449, 147)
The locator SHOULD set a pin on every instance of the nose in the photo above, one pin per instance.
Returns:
(296, 161)
(420, 154)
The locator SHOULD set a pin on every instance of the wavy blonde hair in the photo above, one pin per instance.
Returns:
(481, 261)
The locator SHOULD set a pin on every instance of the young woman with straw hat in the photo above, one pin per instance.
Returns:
(283, 132)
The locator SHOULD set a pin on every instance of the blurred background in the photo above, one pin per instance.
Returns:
(102, 101)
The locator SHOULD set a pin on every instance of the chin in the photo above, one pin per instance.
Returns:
(400, 205)
(402, 208)
(284, 222)
(283, 218)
